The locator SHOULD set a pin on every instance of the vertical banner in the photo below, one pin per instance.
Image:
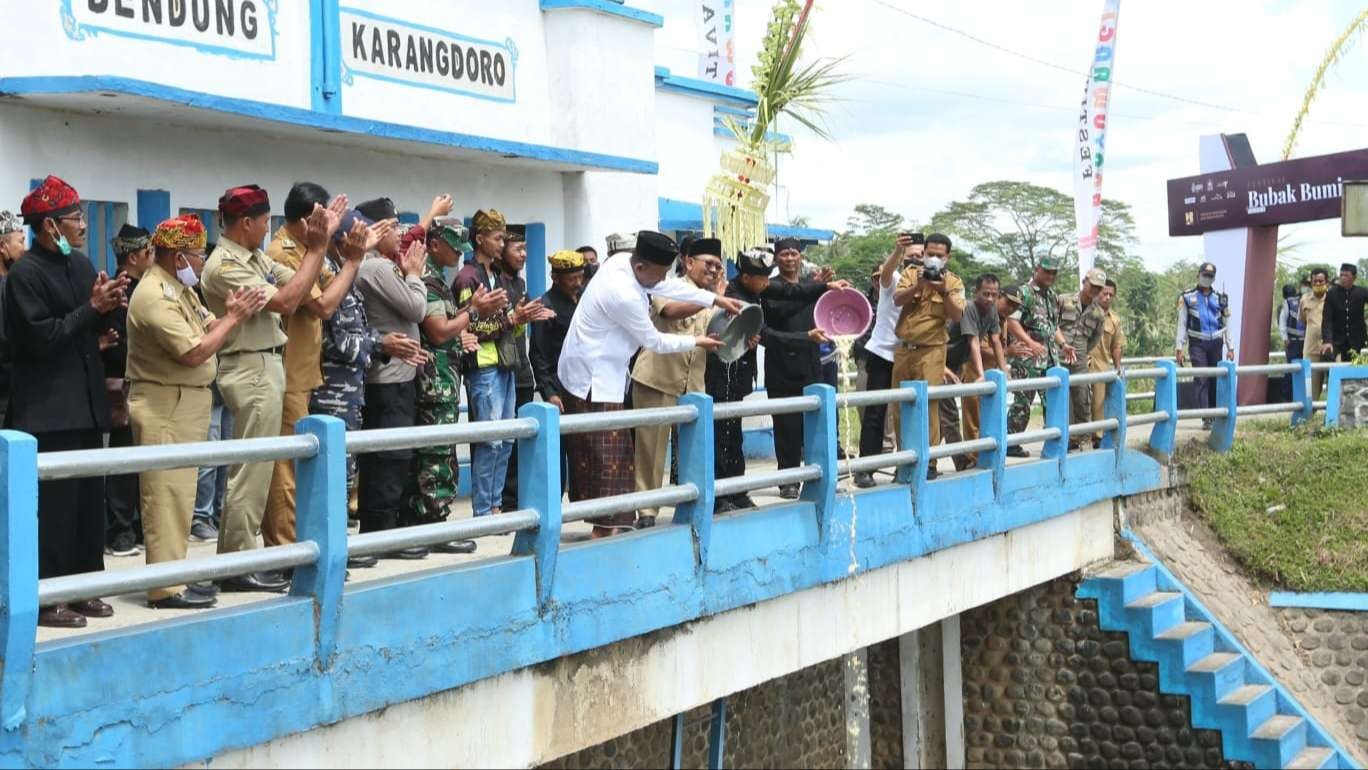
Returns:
(1091, 140)
(717, 42)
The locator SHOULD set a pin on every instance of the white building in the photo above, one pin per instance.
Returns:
(577, 117)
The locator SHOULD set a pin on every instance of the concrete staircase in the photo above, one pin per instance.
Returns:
(1260, 723)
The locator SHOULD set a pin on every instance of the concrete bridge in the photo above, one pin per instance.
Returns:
(565, 645)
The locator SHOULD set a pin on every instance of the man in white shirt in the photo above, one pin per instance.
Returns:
(612, 322)
(883, 341)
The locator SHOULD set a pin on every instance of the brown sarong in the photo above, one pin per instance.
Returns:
(602, 463)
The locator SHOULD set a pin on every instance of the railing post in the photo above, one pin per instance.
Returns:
(1057, 416)
(1301, 393)
(1116, 408)
(19, 589)
(914, 434)
(539, 489)
(819, 448)
(1223, 428)
(993, 424)
(696, 466)
(1334, 384)
(1164, 434)
(321, 516)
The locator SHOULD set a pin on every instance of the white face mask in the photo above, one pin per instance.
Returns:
(187, 276)
(1206, 281)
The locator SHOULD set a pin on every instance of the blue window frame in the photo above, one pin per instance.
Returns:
(103, 220)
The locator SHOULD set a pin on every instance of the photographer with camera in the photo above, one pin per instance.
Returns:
(882, 345)
(931, 298)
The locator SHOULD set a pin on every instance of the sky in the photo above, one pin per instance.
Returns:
(929, 113)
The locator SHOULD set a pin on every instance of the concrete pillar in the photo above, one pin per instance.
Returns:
(857, 710)
(953, 690)
(932, 689)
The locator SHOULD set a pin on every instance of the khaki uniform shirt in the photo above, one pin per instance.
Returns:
(923, 321)
(675, 373)
(165, 321)
(304, 350)
(1081, 326)
(1312, 314)
(1112, 335)
(231, 267)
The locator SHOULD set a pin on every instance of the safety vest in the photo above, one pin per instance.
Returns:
(1296, 329)
(1205, 320)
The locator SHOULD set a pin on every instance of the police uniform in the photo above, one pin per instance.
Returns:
(923, 331)
(252, 380)
(303, 373)
(658, 380)
(438, 403)
(1081, 326)
(168, 403)
(1204, 330)
(1039, 317)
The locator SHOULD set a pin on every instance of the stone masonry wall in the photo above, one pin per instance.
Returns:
(1336, 646)
(1046, 687)
(794, 721)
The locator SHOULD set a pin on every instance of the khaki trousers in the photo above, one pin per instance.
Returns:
(1081, 400)
(252, 385)
(926, 363)
(167, 414)
(652, 442)
(1317, 378)
(969, 409)
(278, 525)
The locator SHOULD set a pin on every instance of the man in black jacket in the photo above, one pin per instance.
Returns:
(1342, 328)
(56, 307)
(12, 246)
(792, 358)
(568, 269)
(123, 525)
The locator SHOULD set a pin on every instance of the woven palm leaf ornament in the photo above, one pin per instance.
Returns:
(735, 199)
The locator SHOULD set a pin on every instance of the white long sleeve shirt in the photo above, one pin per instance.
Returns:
(611, 323)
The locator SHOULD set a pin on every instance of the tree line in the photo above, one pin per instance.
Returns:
(1007, 227)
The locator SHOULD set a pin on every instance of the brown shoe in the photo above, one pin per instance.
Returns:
(60, 616)
(93, 608)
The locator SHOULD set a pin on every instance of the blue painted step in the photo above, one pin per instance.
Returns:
(1259, 722)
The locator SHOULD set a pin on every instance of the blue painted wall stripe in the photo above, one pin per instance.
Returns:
(614, 8)
(324, 121)
(683, 215)
(1343, 602)
(668, 81)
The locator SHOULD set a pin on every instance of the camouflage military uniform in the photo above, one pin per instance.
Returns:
(1082, 329)
(439, 403)
(1039, 316)
(349, 343)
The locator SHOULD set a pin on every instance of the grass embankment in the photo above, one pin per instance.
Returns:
(1290, 504)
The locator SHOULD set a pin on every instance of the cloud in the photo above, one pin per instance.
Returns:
(929, 114)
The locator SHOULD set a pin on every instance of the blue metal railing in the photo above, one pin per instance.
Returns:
(321, 445)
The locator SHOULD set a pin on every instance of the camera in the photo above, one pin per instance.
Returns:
(917, 238)
(933, 270)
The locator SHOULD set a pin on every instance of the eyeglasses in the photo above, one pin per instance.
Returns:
(712, 265)
(77, 217)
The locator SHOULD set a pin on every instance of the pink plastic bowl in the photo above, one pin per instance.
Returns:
(843, 313)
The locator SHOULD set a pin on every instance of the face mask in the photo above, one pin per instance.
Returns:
(1206, 281)
(63, 245)
(186, 275)
(1320, 291)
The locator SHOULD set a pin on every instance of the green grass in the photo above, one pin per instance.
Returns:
(1290, 504)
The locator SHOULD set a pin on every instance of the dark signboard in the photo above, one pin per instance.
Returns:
(1300, 190)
